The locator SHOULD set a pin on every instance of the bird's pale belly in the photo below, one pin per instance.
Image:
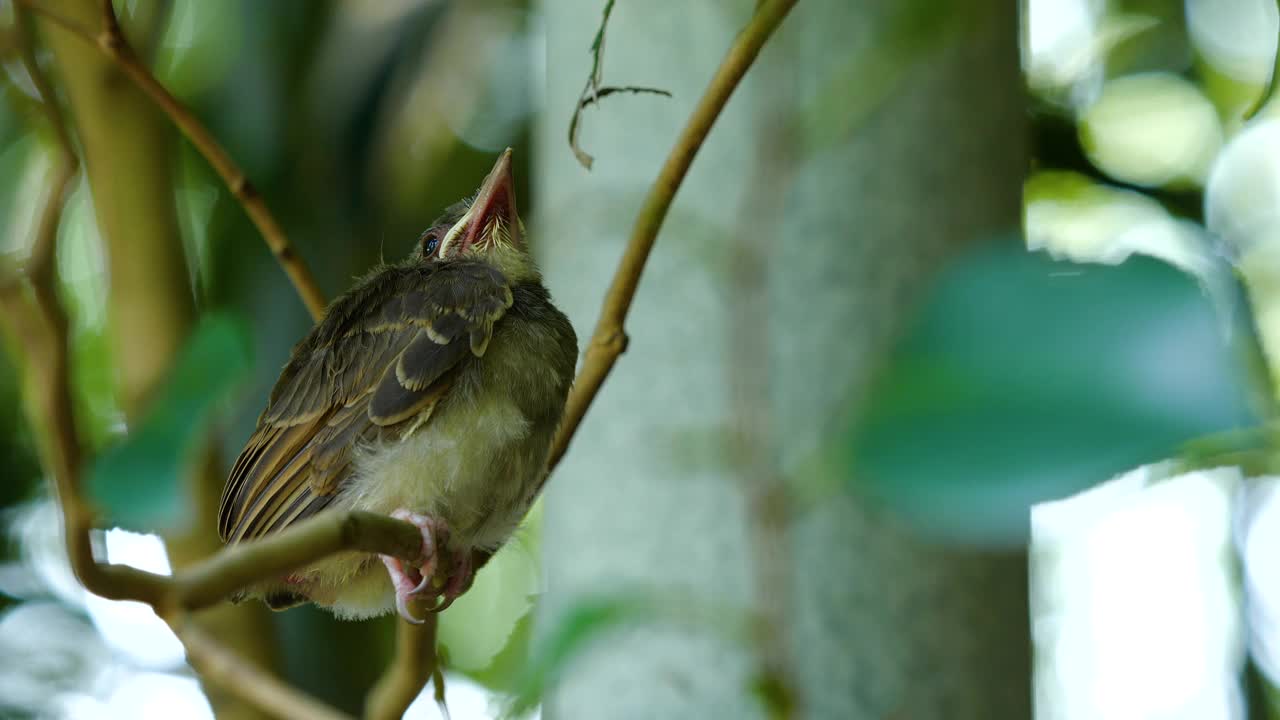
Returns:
(480, 488)
(471, 468)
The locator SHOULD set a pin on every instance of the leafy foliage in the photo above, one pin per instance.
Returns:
(138, 481)
(580, 625)
(592, 617)
(1029, 379)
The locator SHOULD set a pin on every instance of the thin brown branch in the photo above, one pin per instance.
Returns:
(75, 28)
(33, 318)
(609, 340)
(65, 164)
(41, 259)
(30, 308)
(254, 205)
(113, 43)
(110, 25)
(40, 333)
(39, 327)
(222, 667)
(30, 311)
(32, 315)
(240, 566)
(414, 664)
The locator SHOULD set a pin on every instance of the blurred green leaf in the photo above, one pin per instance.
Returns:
(575, 630)
(506, 669)
(477, 628)
(200, 45)
(592, 617)
(1143, 36)
(1025, 379)
(17, 158)
(83, 276)
(1262, 694)
(138, 482)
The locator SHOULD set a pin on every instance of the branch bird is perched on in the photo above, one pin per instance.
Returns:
(430, 392)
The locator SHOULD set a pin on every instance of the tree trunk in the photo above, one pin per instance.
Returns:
(871, 141)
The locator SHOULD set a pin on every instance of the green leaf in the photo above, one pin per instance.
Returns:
(592, 617)
(583, 623)
(477, 628)
(138, 482)
(1025, 379)
(506, 670)
(1256, 451)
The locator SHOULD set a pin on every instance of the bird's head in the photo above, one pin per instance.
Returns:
(484, 227)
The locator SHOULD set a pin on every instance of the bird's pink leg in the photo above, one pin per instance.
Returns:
(410, 581)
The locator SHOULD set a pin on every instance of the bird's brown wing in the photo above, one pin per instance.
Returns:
(385, 354)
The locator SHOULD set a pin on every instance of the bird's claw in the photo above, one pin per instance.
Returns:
(460, 576)
(402, 609)
(411, 582)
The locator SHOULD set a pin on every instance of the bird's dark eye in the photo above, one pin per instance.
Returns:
(430, 241)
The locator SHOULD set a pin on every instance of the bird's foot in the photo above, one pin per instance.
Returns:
(461, 573)
(410, 581)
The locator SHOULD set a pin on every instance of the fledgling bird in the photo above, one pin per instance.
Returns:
(430, 392)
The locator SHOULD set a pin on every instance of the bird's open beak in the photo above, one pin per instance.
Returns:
(492, 217)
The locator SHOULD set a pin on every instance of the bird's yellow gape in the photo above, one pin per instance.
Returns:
(491, 218)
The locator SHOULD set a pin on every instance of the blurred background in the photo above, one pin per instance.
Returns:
(944, 383)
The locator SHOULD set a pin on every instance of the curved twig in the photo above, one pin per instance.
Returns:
(31, 314)
(610, 338)
(414, 664)
(113, 43)
(226, 669)
(408, 673)
(593, 91)
(240, 567)
(30, 309)
(66, 165)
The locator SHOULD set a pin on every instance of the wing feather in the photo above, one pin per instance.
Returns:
(385, 354)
